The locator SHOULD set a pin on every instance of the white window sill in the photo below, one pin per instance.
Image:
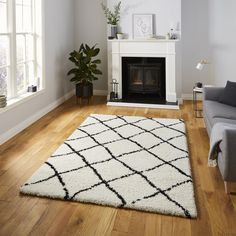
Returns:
(20, 100)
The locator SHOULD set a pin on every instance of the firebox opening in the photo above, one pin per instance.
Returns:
(143, 79)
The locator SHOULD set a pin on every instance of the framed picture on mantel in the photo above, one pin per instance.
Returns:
(142, 26)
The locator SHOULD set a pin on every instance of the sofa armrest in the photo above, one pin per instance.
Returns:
(212, 93)
(227, 162)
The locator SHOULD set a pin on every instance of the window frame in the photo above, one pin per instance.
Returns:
(11, 33)
(8, 62)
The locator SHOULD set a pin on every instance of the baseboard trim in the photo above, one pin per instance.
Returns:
(26, 123)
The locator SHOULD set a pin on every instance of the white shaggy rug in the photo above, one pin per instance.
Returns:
(121, 161)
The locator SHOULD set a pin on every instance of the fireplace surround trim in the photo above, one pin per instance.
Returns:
(168, 49)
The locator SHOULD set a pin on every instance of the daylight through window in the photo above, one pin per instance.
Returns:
(20, 46)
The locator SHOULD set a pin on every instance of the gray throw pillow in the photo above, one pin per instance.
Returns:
(228, 96)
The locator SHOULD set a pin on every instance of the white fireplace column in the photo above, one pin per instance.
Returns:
(144, 48)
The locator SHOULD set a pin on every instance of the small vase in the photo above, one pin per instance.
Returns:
(114, 31)
(120, 36)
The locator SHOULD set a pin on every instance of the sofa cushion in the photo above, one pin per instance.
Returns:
(214, 109)
(229, 94)
(223, 120)
(208, 124)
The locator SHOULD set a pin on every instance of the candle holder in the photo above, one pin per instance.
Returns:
(114, 92)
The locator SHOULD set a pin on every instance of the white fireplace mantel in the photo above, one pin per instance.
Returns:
(168, 49)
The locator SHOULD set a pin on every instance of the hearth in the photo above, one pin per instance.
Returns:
(143, 80)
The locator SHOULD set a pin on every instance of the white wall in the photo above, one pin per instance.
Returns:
(59, 41)
(208, 31)
(90, 28)
(222, 36)
(167, 14)
(195, 43)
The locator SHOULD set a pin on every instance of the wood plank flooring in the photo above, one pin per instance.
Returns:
(25, 153)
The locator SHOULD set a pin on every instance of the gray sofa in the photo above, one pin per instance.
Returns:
(213, 112)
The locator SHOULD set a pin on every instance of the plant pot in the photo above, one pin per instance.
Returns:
(84, 90)
(114, 31)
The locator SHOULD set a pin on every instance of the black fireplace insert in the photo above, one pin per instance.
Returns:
(143, 79)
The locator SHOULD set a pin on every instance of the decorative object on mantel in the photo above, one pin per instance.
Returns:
(114, 92)
(113, 18)
(172, 34)
(3, 101)
(168, 36)
(114, 30)
(142, 26)
(121, 161)
(120, 36)
(85, 71)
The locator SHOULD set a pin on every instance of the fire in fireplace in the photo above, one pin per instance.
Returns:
(143, 79)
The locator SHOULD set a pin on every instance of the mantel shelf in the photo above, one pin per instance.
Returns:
(144, 40)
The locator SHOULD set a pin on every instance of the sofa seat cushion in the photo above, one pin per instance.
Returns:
(218, 110)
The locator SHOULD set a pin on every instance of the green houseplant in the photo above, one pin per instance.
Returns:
(113, 17)
(85, 70)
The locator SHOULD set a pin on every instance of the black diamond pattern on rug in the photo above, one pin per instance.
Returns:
(121, 161)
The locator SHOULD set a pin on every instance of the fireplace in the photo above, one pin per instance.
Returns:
(143, 79)
(144, 73)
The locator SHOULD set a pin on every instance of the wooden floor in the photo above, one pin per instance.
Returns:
(23, 155)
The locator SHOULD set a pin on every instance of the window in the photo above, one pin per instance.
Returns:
(4, 48)
(20, 46)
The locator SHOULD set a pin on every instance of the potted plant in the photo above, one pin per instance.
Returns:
(85, 70)
(113, 18)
